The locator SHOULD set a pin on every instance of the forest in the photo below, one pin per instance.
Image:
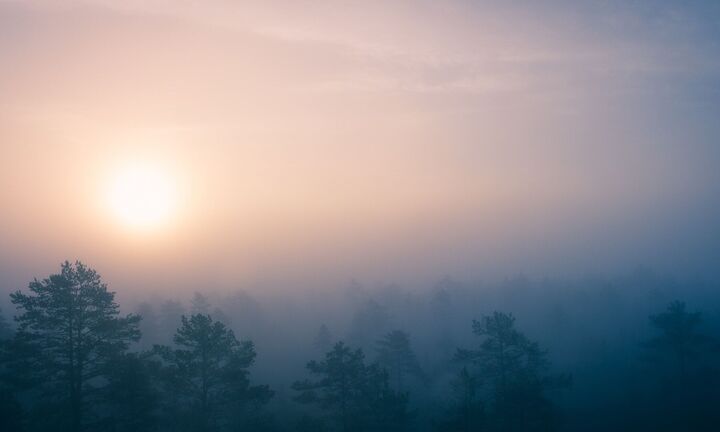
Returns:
(633, 352)
(359, 216)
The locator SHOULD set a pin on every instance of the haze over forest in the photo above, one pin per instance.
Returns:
(422, 181)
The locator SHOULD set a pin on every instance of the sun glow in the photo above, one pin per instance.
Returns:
(142, 197)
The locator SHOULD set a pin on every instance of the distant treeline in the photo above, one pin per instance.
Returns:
(588, 357)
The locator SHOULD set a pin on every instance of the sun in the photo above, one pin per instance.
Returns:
(142, 197)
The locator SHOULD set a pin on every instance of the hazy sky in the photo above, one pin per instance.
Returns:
(369, 139)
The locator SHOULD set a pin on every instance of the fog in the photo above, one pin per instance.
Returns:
(366, 141)
(340, 171)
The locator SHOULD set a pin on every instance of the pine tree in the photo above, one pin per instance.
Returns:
(69, 329)
(207, 370)
(357, 397)
(515, 369)
(395, 354)
(680, 337)
(686, 394)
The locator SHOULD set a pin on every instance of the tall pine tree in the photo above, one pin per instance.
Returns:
(516, 372)
(207, 372)
(69, 329)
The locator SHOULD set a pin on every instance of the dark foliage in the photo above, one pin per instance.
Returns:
(356, 396)
(514, 370)
(72, 362)
(467, 410)
(688, 384)
(206, 374)
(70, 329)
(131, 398)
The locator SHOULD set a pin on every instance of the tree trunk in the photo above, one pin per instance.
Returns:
(75, 407)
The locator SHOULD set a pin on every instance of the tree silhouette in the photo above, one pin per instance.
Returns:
(515, 369)
(340, 388)
(357, 396)
(467, 411)
(208, 371)
(679, 336)
(130, 395)
(687, 397)
(395, 354)
(69, 328)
